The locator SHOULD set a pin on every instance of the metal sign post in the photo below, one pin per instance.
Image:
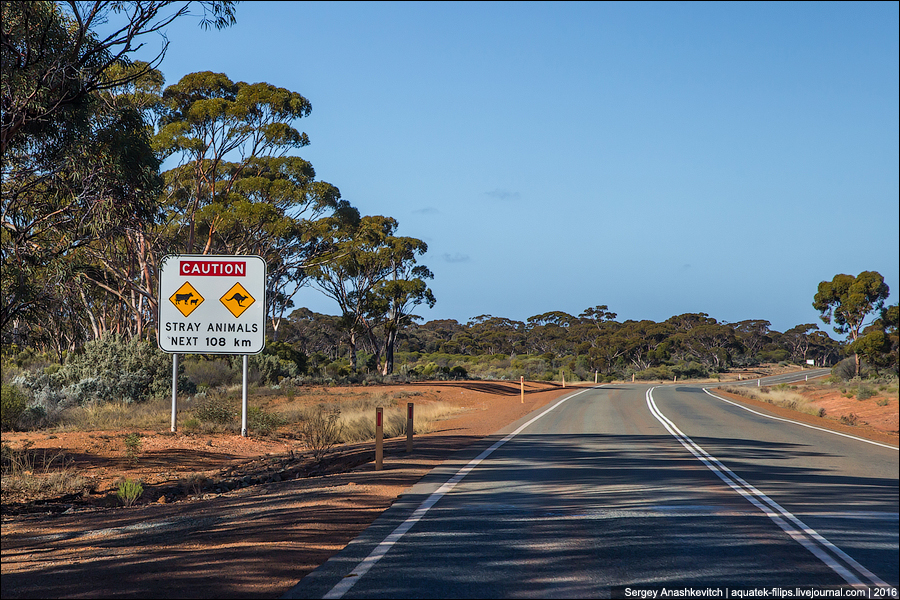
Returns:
(174, 389)
(244, 399)
(212, 304)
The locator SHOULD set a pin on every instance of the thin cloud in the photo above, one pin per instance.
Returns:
(428, 210)
(456, 258)
(500, 194)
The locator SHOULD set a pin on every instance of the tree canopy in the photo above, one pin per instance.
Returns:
(846, 301)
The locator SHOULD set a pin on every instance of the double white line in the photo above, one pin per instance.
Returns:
(836, 559)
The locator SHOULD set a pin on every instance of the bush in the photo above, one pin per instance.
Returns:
(216, 410)
(285, 352)
(266, 369)
(132, 446)
(321, 429)
(662, 372)
(846, 369)
(864, 392)
(113, 368)
(262, 422)
(109, 370)
(850, 419)
(210, 373)
(12, 405)
(687, 370)
(459, 372)
(129, 491)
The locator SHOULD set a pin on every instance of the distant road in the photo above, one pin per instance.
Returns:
(622, 488)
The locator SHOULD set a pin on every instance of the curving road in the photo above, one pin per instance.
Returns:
(622, 490)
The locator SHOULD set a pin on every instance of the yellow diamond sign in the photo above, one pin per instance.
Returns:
(237, 299)
(186, 299)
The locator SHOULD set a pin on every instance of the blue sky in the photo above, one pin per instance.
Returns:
(658, 158)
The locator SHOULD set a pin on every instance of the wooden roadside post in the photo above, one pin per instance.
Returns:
(379, 438)
(409, 426)
(522, 387)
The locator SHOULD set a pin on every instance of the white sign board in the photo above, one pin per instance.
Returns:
(810, 361)
(212, 304)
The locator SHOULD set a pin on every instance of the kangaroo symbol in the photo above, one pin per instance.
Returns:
(239, 298)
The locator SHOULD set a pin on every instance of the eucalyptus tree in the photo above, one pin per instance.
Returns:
(712, 344)
(350, 277)
(401, 291)
(236, 189)
(647, 342)
(54, 60)
(549, 332)
(207, 119)
(797, 340)
(595, 334)
(76, 169)
(276, 209)
(847, 301)
(878, 343)
(754, 334)
(493, 335)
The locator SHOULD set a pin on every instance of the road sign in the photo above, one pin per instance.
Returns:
(212, 304)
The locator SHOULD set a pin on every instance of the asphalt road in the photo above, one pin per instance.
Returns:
(623, 490)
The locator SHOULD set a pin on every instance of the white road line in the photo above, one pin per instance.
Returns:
(381, 549)
(799, 531)
(846, 435)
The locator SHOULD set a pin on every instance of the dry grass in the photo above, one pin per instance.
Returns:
(780, 395)
(357, 413)
(153, 414)
(38, 475)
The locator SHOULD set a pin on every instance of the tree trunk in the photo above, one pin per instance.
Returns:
(352, 344)
(389, 352)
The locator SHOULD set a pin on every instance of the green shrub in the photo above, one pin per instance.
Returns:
(459, 372)
(864, 392)
(846, 369)
(215, 409)
(690, 369)
(262, 422)
(132, 446)
(285, 352)
(12, 405)
(266, 369)
(129, 491)
(110, 369)
(210, 373)
(113, 368)
(662, 372)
